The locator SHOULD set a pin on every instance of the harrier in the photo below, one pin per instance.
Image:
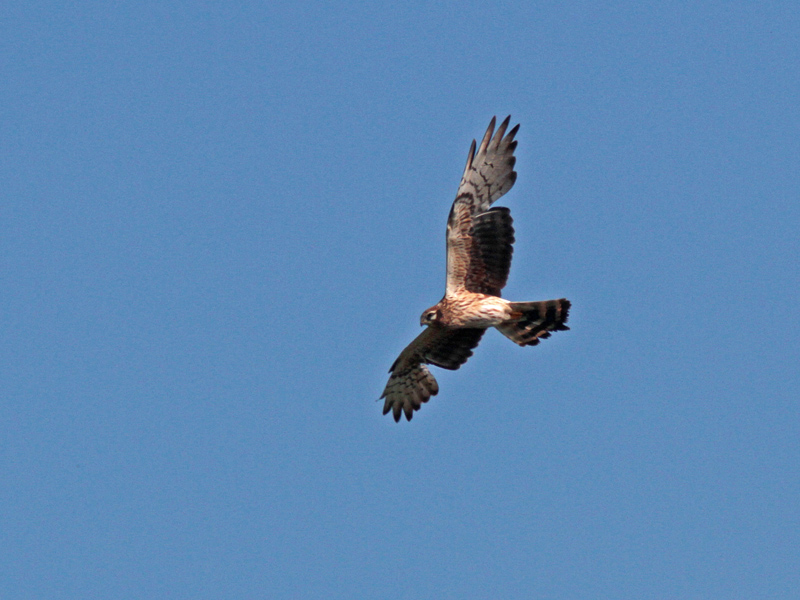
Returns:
(479, 240)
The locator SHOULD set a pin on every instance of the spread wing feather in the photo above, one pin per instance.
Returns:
(411, 383)
(490, 253)
(479, 245)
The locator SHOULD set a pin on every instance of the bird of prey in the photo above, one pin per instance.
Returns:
(479, 247)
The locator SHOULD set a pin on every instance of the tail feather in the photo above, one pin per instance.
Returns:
(536, 320)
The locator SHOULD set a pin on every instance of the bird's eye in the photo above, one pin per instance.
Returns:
(431, 316)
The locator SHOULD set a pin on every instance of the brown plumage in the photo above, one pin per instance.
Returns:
(479, 249)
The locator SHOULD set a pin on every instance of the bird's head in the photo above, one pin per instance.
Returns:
(430, 316)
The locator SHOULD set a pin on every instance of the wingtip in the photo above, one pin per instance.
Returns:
(487, 137)
(501, 132)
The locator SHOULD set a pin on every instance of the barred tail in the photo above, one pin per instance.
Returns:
(535, 321)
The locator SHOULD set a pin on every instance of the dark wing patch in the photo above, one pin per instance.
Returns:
(411, 383)
(455, 348)
(490, 253)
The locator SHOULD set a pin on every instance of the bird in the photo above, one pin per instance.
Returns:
(479, 249)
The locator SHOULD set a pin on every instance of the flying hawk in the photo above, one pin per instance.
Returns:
(479, 240)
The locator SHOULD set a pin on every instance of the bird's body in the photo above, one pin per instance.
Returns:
(467, 310)
(479, 249)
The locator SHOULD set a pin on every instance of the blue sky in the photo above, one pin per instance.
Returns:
(220, 224)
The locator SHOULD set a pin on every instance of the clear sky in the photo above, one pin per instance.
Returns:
(220, 222)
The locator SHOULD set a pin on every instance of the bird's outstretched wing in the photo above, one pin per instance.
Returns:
(411, 383)
(479, 239)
